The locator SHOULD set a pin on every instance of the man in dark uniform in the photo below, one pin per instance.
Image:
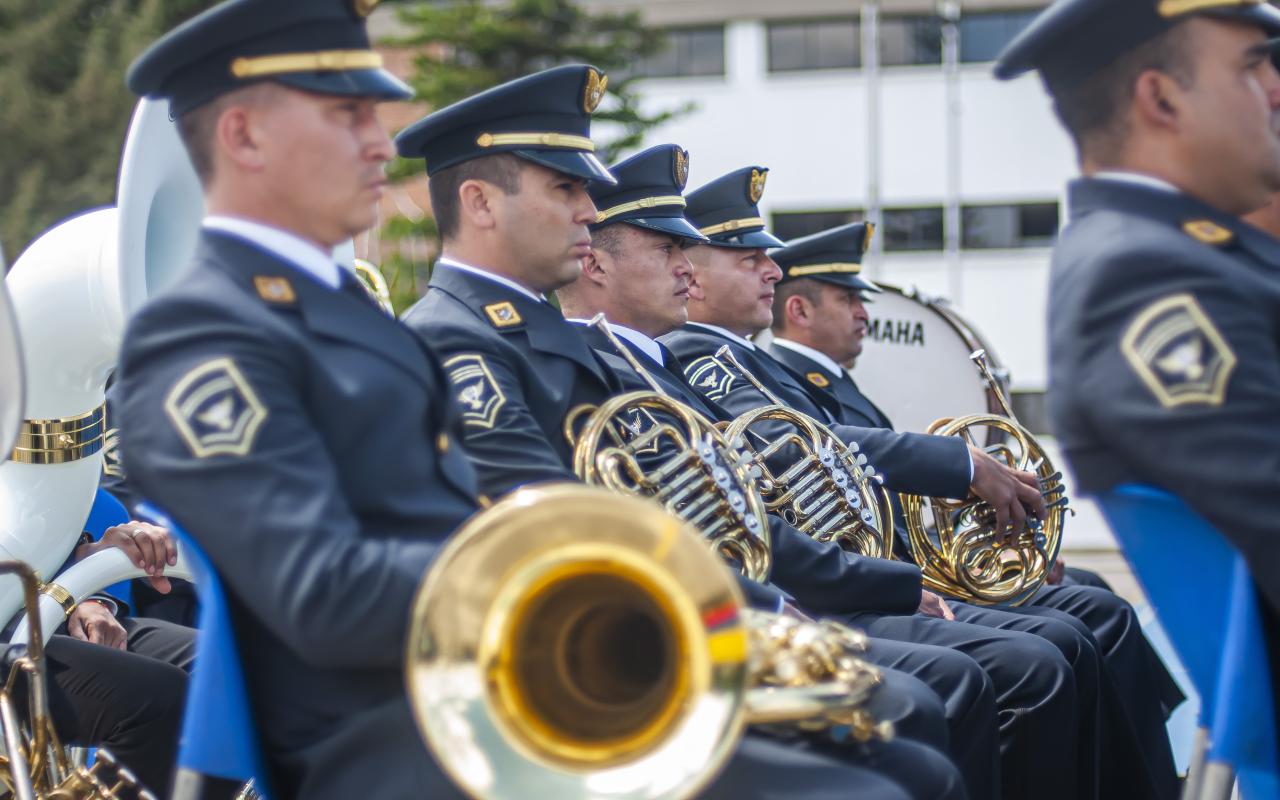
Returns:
(1164, 341)
(306, 439)
(819, 320)
(731, 295)
(515, 226)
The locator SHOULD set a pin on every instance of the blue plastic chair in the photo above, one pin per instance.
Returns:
(219, 738)
(1205, 599)
(108, 512)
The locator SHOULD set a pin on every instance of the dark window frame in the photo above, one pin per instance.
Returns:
(1029, 224)
(680, 41)
(812, 58)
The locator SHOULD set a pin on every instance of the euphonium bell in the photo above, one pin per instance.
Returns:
(955, 543)
(572, 642)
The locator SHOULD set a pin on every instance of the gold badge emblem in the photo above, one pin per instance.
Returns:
(597, 85)
(503, 315)
(710, 377)
(682, 167)
(756, 191)
(818, 379)
(867, 236)
(215, 410)
(1178, 353)
(364, 8)
(478, 393)
(275, 290)
(1207, 232)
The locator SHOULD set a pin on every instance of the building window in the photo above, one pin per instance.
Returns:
(905, 41)
(788, 225)
(814, 44)
(984, 35)
(907, 229)
(689, 52)
(1009, 226)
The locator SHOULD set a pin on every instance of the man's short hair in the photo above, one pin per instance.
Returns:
(197, 127)
(500, 169)
(609, 238)
(1094, 112)
(807, 288)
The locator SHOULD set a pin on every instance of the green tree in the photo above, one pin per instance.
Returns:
(64, 107)
(466, 46)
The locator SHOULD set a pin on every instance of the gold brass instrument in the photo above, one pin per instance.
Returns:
(830, 491)
(652, 445)
(969, 559)
(34, 765)
(371, 279)
(573, 642)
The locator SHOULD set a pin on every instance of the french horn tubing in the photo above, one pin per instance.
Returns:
(573, 642)
(955, 542)
(652, 445)
(826, 488)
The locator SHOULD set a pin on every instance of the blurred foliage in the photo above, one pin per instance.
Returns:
(64, 107)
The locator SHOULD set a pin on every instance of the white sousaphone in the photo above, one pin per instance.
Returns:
(73, 291)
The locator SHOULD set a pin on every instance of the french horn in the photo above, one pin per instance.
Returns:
(543, 662)
(955, 543)
(824, 487)
(652, 445)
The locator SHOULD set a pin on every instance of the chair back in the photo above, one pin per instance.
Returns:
(219, 738)
(1201, 589)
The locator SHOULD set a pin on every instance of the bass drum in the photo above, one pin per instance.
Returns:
(915, 361)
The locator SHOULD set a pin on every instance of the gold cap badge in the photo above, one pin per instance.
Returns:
(364, 8)
(503, 315)
(818, 379)
(682, 167)
(756, 191)
(275, 289)
(867, 236)
(1206, 232)
(597, 85)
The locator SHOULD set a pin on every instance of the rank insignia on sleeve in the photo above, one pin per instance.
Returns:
(710, 377)
(111, 465)
(478, 393)
(275, 289)
(502, 315)
(818, 379)
(215, 410)
(1207, 232)
(1178, 353)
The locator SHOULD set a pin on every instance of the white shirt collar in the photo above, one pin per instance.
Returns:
(507, 282)
(648, 346)
(286, 246)
(825, 360)
(1149, 181)
(735, 337)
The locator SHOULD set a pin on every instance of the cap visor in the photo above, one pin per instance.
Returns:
(751, 240)
(571, 162)
(359, 83)
(676, 226)
(1264, 15)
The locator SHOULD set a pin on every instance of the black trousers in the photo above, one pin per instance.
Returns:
(129, 702)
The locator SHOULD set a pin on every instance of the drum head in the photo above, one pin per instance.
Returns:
(915, 361)
(12, 377)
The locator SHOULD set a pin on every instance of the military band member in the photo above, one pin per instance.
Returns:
(515, 226)
(819, 321)
(1164, 345)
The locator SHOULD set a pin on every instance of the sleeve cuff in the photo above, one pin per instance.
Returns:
(109, 602)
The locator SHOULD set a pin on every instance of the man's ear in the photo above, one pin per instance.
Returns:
(237, 136)
(1158, 101)
(475, 203)
(597, 265)
(797, 311)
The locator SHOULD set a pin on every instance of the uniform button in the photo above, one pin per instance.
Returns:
(442, 443)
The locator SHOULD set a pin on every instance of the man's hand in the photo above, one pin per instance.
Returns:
(149, 547)
(1011, 493)
(1054, 578)
(932, 605)
(93, 622)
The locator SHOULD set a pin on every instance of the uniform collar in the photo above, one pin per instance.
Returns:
(507, 282)
(1137, 178)
(716, 329)
(291, 249)
(645, 344)
(822, 359)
